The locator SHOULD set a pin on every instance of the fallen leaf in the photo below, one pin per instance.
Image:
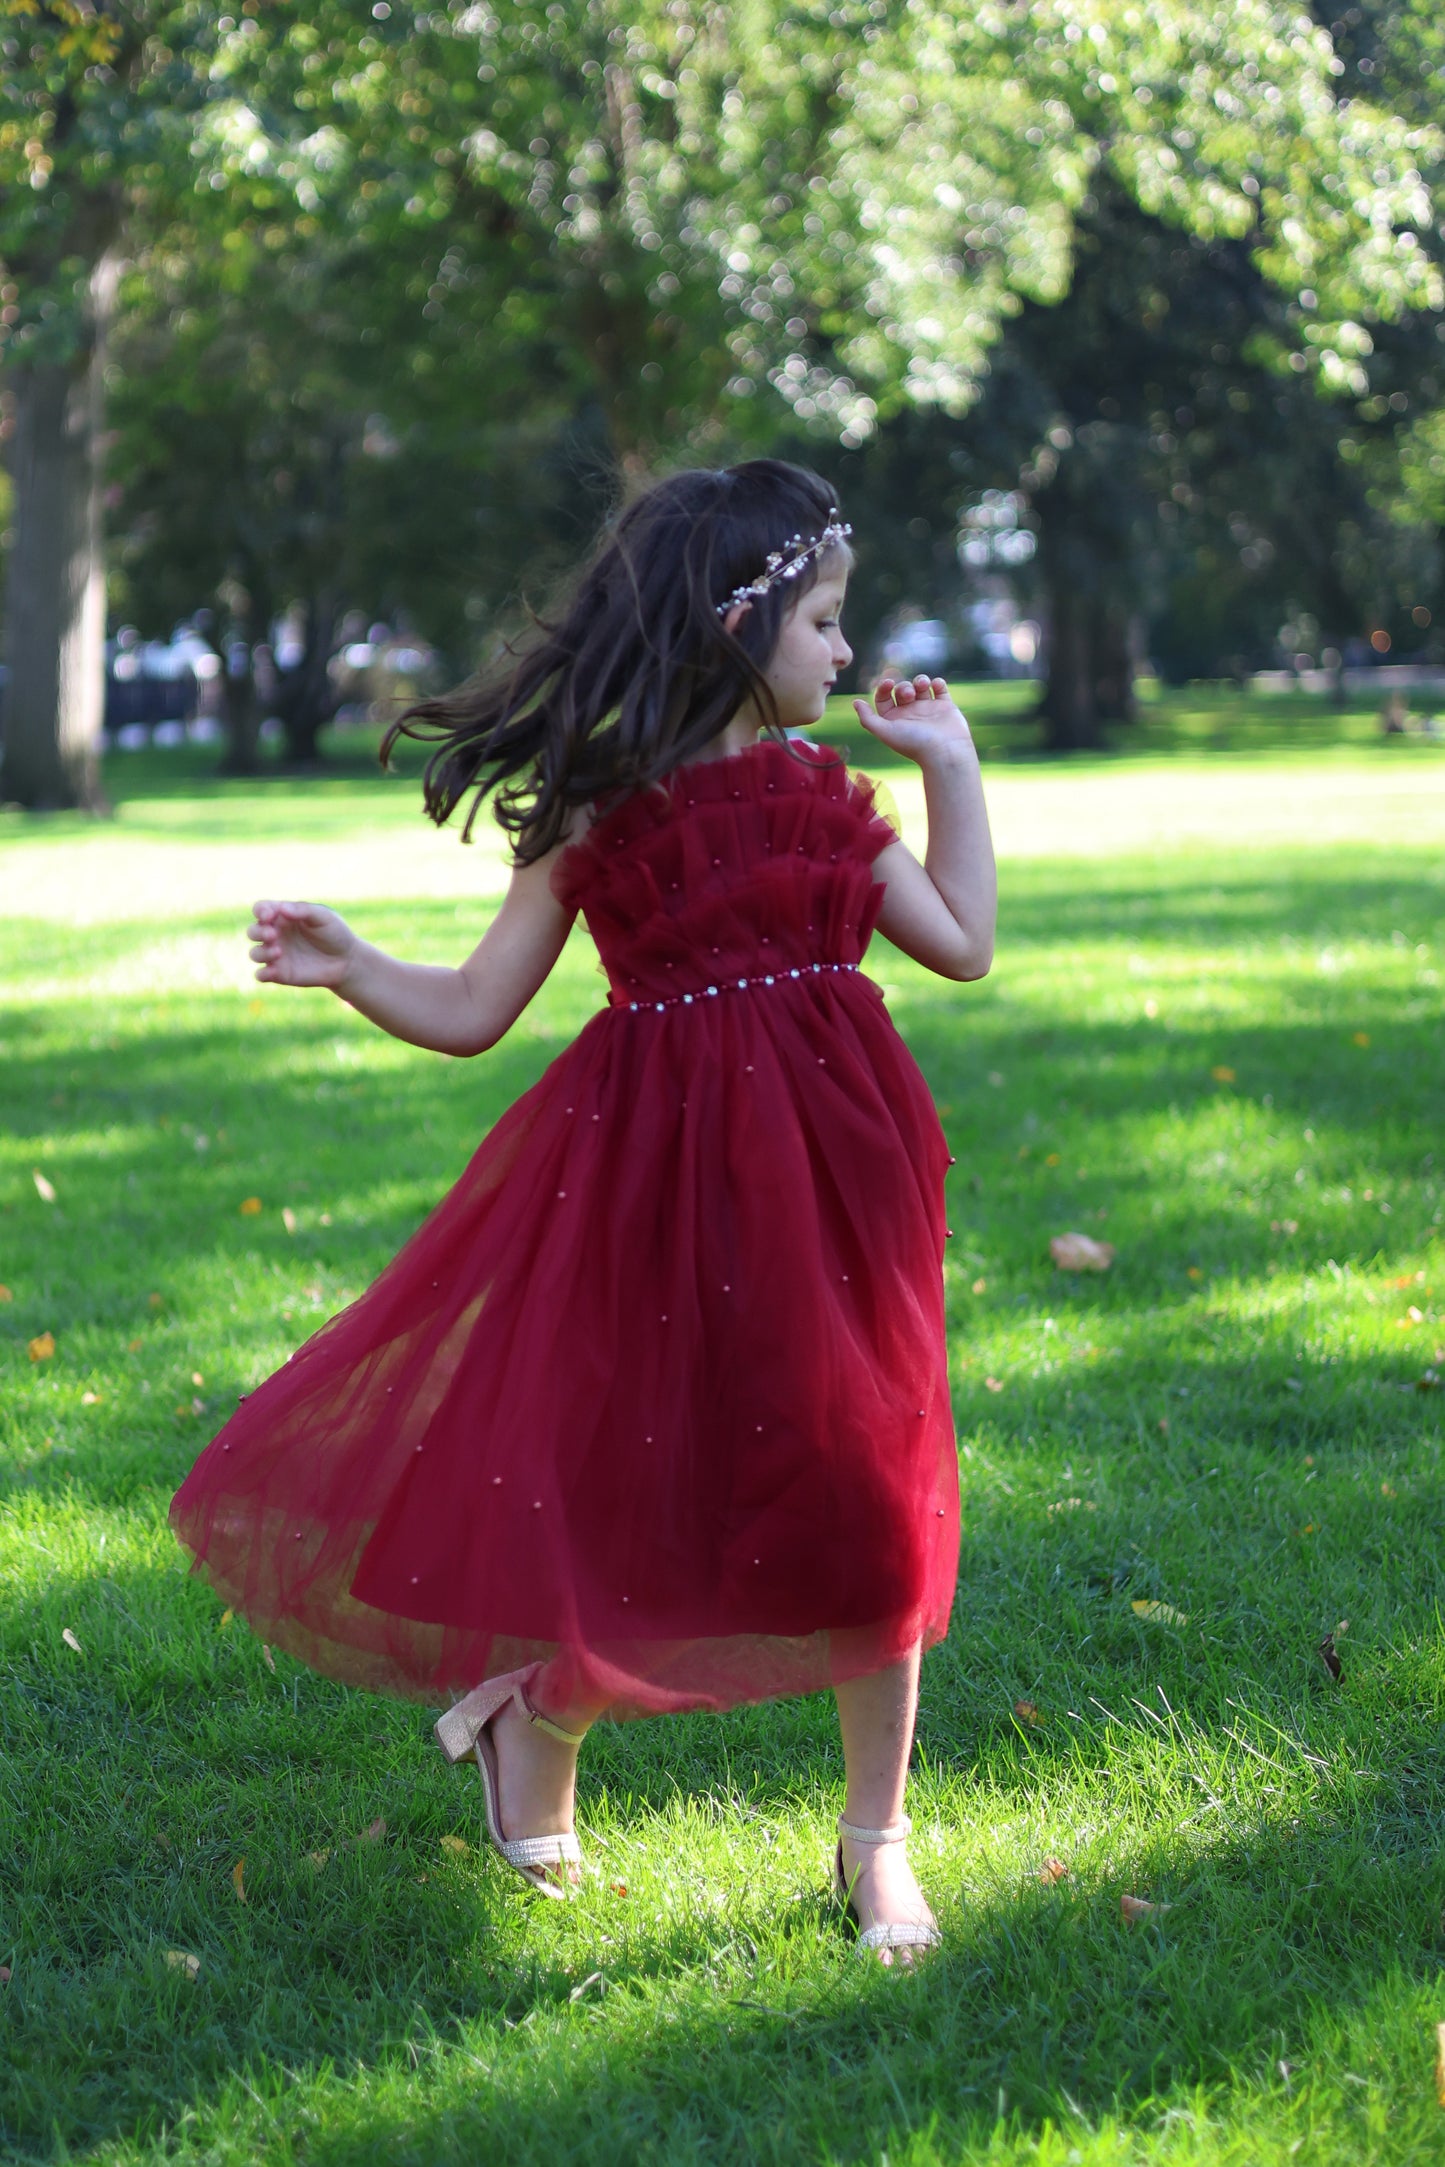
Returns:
(317, 1859)
(326, 1218)
(1311, 1527)
(70, 1640)
(133, 1346)
(182, 1960)
(43, 1188)
(269, 1658)
(1053, 1870)
(6, 1295)
(1342, 1628)
(90, 1399)
(196, 1377)
(980, 1286)
(1158, 1613)
(255, 1008)
(1330, 1658)
(250, 1205)
(1440, 2063)
(41, 1349)
(619, 1888)
(593, 1978)
(1134, 1908)
(1081, 1253)
(4, 1975)
(226, 1617)
(1193, 1272)
(458, 1846)
(1026, 1711)
(238, 1879)
(1430, 1382)
(1416, 1316)
(288, 1218)
(373, 1834)
(1387, 1489)
(156, 1301)
(1163, 1425)
(991, 1384)
(1223, 1075)
(1360, 1038)
(1055, 1158)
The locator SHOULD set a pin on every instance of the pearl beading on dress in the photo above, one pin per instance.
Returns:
(733, 985)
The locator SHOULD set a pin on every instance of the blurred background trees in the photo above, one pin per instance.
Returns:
(337, 316)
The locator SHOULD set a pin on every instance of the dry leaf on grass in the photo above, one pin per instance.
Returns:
(1223, 1074)
(992, 1384)
(1053, 1870)
(1081, 1253)
(1430, 1382)
(4, 1975)
(182, 1960)
(90, 1399)
(42, 1347)
(593, 1978)
(250, 1205)
(980, 1286)
(458, 1846)
(1158, 1613)
(373, 1834)
(288, 1218)
(317, 1859)
(1329, 1656)
(70, 1640)
(267, 1657)
(238, 1880)
(6, 1295)
(1440, 2063)
(226, 1617)
(43, 1188)
(1134, 1908)
(1360, 1038)
(1026, 1711)
(156, 1301)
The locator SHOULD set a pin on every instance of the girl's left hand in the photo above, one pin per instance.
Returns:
(914, 716)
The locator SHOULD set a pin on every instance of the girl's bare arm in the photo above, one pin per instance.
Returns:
(942, 912)
(463, 1010)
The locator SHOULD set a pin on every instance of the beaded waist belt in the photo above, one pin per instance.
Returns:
(734, 985)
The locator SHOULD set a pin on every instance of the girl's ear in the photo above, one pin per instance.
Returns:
(735, 617)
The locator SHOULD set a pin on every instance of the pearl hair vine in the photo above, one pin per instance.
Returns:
(788, 562)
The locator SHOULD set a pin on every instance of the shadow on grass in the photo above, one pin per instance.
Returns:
(737, 2024)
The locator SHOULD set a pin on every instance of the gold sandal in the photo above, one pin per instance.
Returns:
(464, 1732)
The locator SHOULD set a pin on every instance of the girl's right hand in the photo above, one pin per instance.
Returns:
(300, 944)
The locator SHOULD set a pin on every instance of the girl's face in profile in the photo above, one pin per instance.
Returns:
(811, 649)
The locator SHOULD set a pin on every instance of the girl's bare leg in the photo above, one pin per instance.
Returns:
(537, 1773)
(876, 1715)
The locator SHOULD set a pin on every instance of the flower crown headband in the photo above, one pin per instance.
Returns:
(788, 562)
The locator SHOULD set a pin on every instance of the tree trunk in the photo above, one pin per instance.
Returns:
(306, 700)
(55, 586)
(240, 711)
(1113, 665)
(1090, 659)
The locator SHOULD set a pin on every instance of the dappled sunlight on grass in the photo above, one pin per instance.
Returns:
(1225, 1063)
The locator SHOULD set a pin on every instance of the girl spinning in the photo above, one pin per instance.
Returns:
(652, 1413)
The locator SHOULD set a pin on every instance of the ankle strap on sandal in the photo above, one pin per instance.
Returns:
(545, 1723)
(897, 1831)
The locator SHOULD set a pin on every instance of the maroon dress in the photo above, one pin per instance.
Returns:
(658, 1394)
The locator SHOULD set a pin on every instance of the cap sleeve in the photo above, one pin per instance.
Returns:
(878, 816)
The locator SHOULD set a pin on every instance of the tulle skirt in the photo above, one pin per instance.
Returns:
(656, 1397)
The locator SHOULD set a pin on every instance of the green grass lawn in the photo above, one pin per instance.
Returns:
(1215, 1047)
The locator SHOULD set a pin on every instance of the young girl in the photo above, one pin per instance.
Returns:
(652, 1413)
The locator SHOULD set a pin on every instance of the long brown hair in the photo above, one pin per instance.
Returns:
(634, 674)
